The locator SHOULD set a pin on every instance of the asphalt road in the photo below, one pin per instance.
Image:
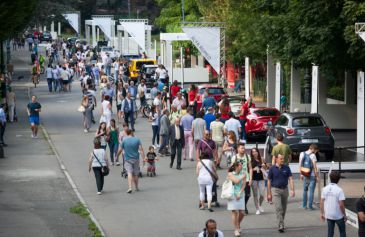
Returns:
(167, 205)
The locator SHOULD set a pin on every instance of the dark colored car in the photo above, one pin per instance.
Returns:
(257, 120)
(147, 72)
(46, 36)
(71, 41)
(302, 129)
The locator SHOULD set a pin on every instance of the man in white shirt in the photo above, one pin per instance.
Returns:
(179, 101)
(232, 124)
(157, 102)
(333, 206)
(161, 73)
(210, 230)
(49, 77)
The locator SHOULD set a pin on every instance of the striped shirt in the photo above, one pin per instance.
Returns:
(332, 195)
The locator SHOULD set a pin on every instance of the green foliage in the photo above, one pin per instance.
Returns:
(15, 16)
(81, 210)
(337, 93)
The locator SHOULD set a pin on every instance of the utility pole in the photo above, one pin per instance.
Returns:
(183, 10)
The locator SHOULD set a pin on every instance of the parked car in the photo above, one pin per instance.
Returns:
(302, 129)
(135, 66)
(217, 92)
(46, 36)
(71, 41)
(108, 50)
(147, 73)
(235, 104)
(129, 57)
(257, 120)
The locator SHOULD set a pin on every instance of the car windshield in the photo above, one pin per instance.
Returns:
(140, 64)
(150, 70)
(212, 91)
(304, 122)
(105, 49)
(265, 112)
(235, 101)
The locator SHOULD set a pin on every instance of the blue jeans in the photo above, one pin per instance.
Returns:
(308, 183)
(331, 227)
(243, 130)
(165, 141)
(50, 84)
(155, 135)
(113, 148)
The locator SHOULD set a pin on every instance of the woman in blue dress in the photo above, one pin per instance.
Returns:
(237, 204)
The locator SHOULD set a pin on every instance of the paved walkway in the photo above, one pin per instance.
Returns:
(35, 196)
(168, 203)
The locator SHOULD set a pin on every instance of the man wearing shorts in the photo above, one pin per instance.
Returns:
(132, 147)
(33, 109)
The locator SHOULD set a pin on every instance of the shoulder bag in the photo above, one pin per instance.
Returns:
(104, 169)
(227, 190)
(213, 175)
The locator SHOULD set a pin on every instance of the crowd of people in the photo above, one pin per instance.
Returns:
(209, 134)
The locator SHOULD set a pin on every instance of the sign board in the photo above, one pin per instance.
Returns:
(207, 41)
(73, 20)
(136, 31)
(247, 77)
(105, 24)
(174, 37)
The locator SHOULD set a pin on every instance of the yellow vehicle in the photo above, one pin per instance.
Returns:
(135, 66)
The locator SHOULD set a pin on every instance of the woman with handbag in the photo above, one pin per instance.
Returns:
(99, 163)
(237, 203)
(230, 147)
(207, 176)
(101, 135)
(258, 179)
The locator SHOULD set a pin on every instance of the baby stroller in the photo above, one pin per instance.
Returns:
(124, 172)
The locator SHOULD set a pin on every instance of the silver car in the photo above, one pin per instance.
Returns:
(302, 129)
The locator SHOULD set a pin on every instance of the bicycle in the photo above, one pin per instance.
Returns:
(35, 80)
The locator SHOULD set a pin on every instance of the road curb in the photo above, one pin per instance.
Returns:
(69, 179)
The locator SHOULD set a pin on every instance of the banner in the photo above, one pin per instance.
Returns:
(105, 24)
(362, 35)
(277, 85)
(137, 32)
(207, 40)
(73, 20)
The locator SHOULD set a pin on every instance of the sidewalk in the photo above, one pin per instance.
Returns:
(35, 196)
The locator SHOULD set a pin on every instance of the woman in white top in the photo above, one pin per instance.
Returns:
(154, 122)
(205, 180)
(96, 161)
(119, 101)
(106, 112)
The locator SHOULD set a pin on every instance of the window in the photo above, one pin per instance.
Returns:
(139, 64)
(266, 112)
(304, 122)
(282, 121)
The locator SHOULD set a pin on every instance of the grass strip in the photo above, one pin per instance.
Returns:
(81, 210)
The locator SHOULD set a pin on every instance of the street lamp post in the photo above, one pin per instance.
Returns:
(307, 86)
(183, 10)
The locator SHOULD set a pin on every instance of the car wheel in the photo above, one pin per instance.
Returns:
(329, 155)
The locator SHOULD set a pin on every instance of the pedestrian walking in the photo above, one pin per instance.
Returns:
(97, 161)
(224, 109)
(128, 108)
(193, 98)
(230, 147)
(217, 132)
(187, 123)
(2, 125)
(89, 103)
(49, 75)
(333, 206)
(153, 118)
(209, 117)
(132, 148)
(206, 148)
(232, 124)
(258, 179)
(179, 101)
(207, 176)
(281, 148)
(236, 204)
(198, 127)
(211, 230)
(174, 90)
(106, 112)
(177, 142)
(34, 108)
(164, 132)
(308, 161)
(10, 102)
(277, 189)
(360, 208)
(113, 141)
(246, 168)
(101, 134)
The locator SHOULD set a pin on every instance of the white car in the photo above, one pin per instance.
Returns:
(235, 103)
(107, 50)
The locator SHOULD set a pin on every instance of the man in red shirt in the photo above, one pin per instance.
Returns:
(174, 89)
(246, 105)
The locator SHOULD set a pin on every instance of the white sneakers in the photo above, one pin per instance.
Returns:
(98, 193)
(259, 211)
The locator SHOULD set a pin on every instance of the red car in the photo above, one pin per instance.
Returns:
(217, 92)
(257, 119)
